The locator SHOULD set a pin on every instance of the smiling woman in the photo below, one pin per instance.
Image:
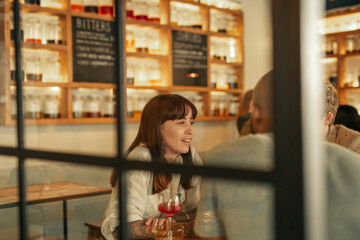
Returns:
(164, 135)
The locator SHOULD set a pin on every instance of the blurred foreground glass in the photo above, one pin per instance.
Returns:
(175, 231)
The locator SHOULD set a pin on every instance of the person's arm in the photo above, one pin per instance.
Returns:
(137, 230)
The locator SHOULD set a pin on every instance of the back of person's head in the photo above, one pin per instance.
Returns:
(245, 102)
(348, 116)
(331, 104)
(262, 104)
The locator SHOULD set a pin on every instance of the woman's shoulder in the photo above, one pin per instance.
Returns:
(195, 156)
(140, 153)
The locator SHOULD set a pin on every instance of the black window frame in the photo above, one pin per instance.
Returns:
(286, 178)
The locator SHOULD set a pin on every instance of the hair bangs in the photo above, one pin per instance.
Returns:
(178, 109)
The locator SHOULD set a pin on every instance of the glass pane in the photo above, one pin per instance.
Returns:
(65, 197)
(9, 221)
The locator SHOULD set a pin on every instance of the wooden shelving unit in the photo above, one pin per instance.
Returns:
(65, 52)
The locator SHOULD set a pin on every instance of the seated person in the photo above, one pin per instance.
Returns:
(347, 116)
(338, 134)
(234, 210)
(164, 135)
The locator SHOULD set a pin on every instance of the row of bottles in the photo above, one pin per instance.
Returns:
(144, 40)
(143, 72)
(224, 105)
(38, 66)
(344, 23)
(185, 15)
(38, 106)
(226, 4)
(38, 29)
(223, 77)
(222, 22)
(147, 10)
(352, 44)
(93, 105)
(103, 7)
(225, 49)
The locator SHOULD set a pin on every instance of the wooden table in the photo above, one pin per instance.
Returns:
(52, 192)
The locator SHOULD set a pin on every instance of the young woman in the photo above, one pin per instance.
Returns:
(164, 135)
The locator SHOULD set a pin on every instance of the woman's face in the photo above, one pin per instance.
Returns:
(177, 135)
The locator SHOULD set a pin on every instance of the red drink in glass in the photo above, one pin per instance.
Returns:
(169, 209)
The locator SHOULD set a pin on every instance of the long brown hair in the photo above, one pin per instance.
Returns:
(156, 112)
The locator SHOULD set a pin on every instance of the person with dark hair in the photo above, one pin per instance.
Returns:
(243, 121)
(337, 133)
(164, 135)
(348, 116)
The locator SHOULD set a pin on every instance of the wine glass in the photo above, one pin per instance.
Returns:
(170, 205)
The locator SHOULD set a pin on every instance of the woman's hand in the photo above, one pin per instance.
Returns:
(153, 222)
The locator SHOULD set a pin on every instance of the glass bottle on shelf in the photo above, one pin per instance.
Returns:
(54, 33)
(77, 106)
(13, 67)
(334, 46)
(142, 75)
(154, 41)
(57, 4)
(91, 6)
(131, 101)
(106, 7)
(33, 107)
(350, 44)
(214, 107)
(233, 106)
(197, 100)
(141, 39)
(51, 106)
(34, 70)
(232, 54)
(140, 10)
(37, 2)
(174, 15)
(12, 29)
(213, 77)
(358, 43)
(13, 106)
(223, 107)
(154, 74)
(196, 20)
(130, 41)
(92, 106)
(130, 73)
(52, 70)
(108, 106)
(77, 5)
(129, 9)
(32, 30)
(153, 11)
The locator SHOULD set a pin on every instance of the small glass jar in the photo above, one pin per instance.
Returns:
(106, 7)
(91, 6)
(33, 30)
(153, 11)
(37, 2)
(350, 44)
(234, 106)
(33, 107)
(51, 106)
(12, 29)
(108, 107)
(52, 70)
(130, 73)
(34, 71)
(13, 67)
(140, 10)
(53, 33)
(77, 106)
(130, 41)
(57, 4)
(141, 39)
(92, 106)
(129, 9)
(77, 5)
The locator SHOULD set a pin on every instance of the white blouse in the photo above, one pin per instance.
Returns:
(141, 202)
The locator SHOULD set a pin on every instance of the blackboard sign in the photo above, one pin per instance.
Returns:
(189, 58)
(333, 4)
(93, 50)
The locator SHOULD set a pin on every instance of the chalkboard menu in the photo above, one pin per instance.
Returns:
(93, 50)
(333, 4)
(189, 58)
